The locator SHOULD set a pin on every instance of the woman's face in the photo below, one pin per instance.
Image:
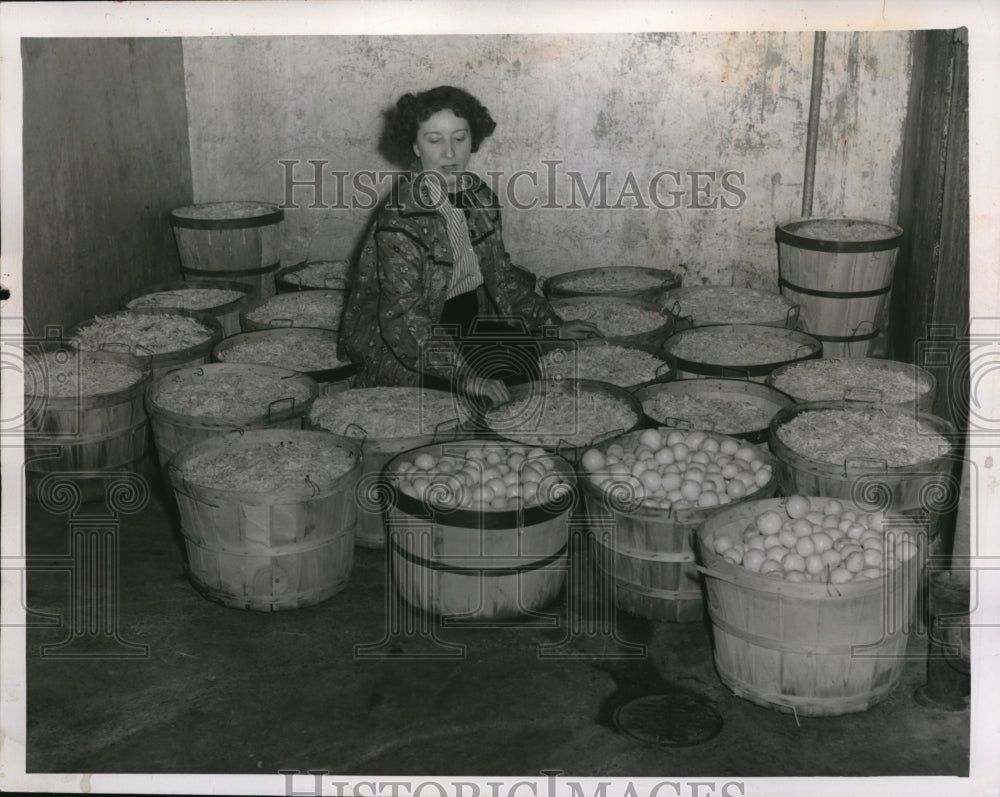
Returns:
(444, 145)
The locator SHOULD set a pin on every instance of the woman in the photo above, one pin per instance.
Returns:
(434, 259)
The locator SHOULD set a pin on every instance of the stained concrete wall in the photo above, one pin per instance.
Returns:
(733, 107)
(106, 157)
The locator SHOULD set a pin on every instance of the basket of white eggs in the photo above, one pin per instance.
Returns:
(479, 529)
(646, 492)
(812, 600)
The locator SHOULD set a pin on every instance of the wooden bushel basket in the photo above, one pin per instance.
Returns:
(167, 295)
(807, 347)
(233, 241)
(921, 490)
(328, 380)
(618, 281)
(279, 312)
(376, 453)
(526, 432)
(478, 565)
(840, 282)
(661, 322)
(567, 350)
(164, 362)
(85, 434)
(924, 383)
(770, 309)
(647, 551)
(298, 278)
(769, 400)
(173, 431)
(813, 649)
(268, 551)
(909, 484)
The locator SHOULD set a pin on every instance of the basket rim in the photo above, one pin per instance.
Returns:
(711, 385)
(182, 285)
(786, 234)
(190, 216)
(286, 271)
(784, 415)
(206, 319)
(421, 439)
(566, 276)
(522, 517)
(714, 566)
(815, 346)
(250, 437)
(256, 304)
(142, 366)
(696, 514)
(210, 421)
(688, 290)
(347, 367)
(624, 343)
(564, 386)
(923, 376)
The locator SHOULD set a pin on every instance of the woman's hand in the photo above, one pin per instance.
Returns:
(579, 330)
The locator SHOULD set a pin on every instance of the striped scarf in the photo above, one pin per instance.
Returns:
(466, 275)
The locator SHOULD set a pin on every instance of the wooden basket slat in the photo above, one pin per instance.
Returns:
(814, 649)
(272, 551)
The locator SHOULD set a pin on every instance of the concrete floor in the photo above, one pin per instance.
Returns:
(330, 687)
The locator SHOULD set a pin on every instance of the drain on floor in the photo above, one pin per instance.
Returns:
(668, 720)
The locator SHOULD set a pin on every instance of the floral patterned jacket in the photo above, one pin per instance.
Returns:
(399, 289)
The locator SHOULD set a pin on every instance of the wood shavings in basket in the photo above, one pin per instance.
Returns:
(386, 412)
(64, 375)
(143, 333)
(613, 317)
(229, 395)
(225, 210)
(834, 436)
(188, 298)
(270, 466)
(844, 230)
(827, 379)
(752, 346)
(320, 274)
(724, 305)
(299, 353)
(714, 413)
(618, 365)
(611, 280)
(554, 417)
(303, 308)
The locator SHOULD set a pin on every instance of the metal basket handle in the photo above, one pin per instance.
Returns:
(364, 432)
(860, 463)
(792, 317)
(270, 407)
(858, 394)
(734, 373)
(559, 449)
(676, 423)
(603, 438)
(666, 364)
(437, 427)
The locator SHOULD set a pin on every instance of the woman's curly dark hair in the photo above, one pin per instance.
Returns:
(403, 121)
